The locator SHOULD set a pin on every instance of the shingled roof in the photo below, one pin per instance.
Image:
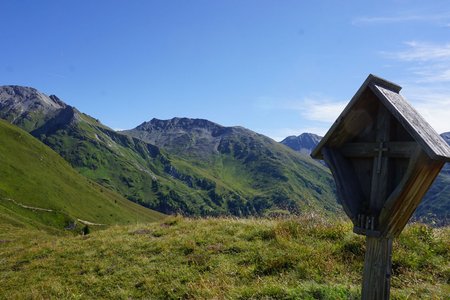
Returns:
(388, 94)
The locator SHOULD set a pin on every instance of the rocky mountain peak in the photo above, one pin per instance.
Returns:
(185, 124)
(182, 134)
(198, 138)
(31, 110)
(304, 143)
(21, 99)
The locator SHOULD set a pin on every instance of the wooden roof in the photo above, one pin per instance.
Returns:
(388, 93)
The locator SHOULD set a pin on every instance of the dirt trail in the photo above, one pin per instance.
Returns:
(29, 207)
(90, 223)
(50, 210)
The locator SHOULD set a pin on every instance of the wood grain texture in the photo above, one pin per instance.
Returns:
(377, 269)
(350, 109)
(433, 144)
(380, 163)
(348, 189)
(404, 200)
(360, 108)
(366, 150)
(384, 157)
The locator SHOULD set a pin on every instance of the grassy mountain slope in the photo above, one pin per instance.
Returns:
(303, 258)
(137, 170)
(258, 172)
(38, 187)
(250, 175)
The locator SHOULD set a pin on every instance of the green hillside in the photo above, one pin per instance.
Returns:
(243, 174)
(250, 176)
(301, 258)
(39, 188)
(139, 171)
(252, 172)
(263, 174)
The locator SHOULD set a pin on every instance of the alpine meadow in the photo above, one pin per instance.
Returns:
(225, 150)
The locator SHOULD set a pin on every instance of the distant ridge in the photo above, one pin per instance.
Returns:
(185, 166)
(198, 137)
(303, 143)
(190, 166)
(259, 171)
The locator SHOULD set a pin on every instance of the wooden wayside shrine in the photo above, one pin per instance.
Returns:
(384, 157)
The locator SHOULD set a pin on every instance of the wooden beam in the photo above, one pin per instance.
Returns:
(403, 201)
(380, 169)
(433, 144)
(347, 185)
(366, 150)
(377, 269)
(371, 80)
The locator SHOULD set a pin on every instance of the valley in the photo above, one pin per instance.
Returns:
(193, 167)
(184, 166)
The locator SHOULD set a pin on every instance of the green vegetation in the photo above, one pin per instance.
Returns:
(247, 174)
(250, 175)
(255, 175)
(302, 258)
(197, 168)
(38, 188)
(139, 171)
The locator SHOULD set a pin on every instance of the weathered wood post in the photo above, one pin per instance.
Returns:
(384, 157)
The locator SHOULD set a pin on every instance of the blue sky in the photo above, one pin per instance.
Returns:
(276, 67)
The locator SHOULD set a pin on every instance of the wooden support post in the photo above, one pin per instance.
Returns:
(377, 269)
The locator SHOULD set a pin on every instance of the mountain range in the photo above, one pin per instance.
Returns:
(192, 166)
(187, 166)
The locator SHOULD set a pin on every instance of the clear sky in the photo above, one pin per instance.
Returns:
(276, 67)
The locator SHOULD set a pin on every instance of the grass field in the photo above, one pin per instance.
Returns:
(302, 258)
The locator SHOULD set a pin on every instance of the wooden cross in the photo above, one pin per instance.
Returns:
(380, 150)
(384, 157)
(377, 264)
